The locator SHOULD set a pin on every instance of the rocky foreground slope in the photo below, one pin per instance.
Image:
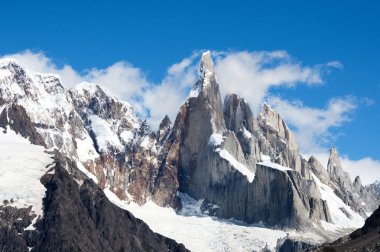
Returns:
(366, 238)
(76, 215)
(243, 167)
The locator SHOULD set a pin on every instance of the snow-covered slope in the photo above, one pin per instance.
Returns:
(200, 232)
(342, 215)
(22, 165)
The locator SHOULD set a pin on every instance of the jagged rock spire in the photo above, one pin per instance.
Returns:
(335, 170)
(271, 120)
(333, 166)
(317, 168)
(237, 113)
(206, 66)
(357, 184)
(166, 122)
(206, 75)
(164, 129)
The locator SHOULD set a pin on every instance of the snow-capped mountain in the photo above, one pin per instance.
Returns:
(216, 159)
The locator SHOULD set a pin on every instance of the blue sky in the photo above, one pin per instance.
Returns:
(154, 35)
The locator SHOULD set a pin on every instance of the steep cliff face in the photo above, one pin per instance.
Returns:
(319, 171)
(214, 156)
(277, 141)
(239, 119)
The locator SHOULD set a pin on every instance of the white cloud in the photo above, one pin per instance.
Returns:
(367, 168)
(38, 62)
(312, 126)
(123, 80)
(252, 74)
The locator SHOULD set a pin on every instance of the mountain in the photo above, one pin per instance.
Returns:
(218, 156)
(51, 204)
(249, 168)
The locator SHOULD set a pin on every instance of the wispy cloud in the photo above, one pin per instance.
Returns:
(252, 74)
(312, 126)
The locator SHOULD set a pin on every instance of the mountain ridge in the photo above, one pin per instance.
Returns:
(242, 167)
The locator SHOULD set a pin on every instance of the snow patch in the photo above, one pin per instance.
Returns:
(237, 165)
(190, 206)
(105, 137)
(264, 158)
(246, 133)
(146, 143)
(85, 149)
(216, 139)
(195, 91)
(200, 233)
(275, 166)
(127, 136)
(22, 164)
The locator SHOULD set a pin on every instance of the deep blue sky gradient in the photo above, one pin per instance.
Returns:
(153, 35)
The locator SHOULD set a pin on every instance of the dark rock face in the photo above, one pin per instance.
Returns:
(319, 171)
(13, 221)
(19, 121)
(79, 217)
(366, 238)
(291, 245)
(237, 114)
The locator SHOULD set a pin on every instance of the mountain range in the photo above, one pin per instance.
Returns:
(76, 162)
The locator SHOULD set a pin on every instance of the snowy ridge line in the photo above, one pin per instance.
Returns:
(275, 166)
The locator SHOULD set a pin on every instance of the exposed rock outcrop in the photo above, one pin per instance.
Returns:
(277, 141)
(319, 171)
(357, 185)
(239, 119)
